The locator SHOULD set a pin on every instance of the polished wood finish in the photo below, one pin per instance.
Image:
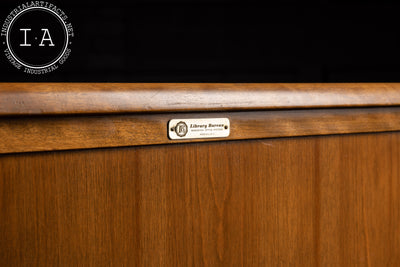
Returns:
(83, 98)
(74, 132)
(252, 199)
(305, 201)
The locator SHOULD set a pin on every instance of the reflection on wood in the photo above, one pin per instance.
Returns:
(101, 98)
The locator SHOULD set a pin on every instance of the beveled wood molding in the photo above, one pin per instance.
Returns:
(48, 133)
(101, 98)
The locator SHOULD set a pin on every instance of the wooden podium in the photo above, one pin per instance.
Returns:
(308, 176)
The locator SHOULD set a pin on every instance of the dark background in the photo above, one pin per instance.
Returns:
(225, 41)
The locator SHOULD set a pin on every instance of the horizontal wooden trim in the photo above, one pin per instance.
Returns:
(80, 132)
(99, 98)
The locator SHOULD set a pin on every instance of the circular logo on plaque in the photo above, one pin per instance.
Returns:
(181, 129)
(37, 36)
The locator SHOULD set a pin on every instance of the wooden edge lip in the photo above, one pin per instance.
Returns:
(87, 132)
(18, 99)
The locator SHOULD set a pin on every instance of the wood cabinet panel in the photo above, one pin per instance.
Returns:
(304, 201)
(27, 134)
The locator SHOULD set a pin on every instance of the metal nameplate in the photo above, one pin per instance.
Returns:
(198, 128)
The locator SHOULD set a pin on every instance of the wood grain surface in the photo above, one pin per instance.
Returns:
(75, 132)
(78, 98)
(305, 201)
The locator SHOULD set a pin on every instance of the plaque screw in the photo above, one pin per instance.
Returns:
(226, 127)
(172, 129)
